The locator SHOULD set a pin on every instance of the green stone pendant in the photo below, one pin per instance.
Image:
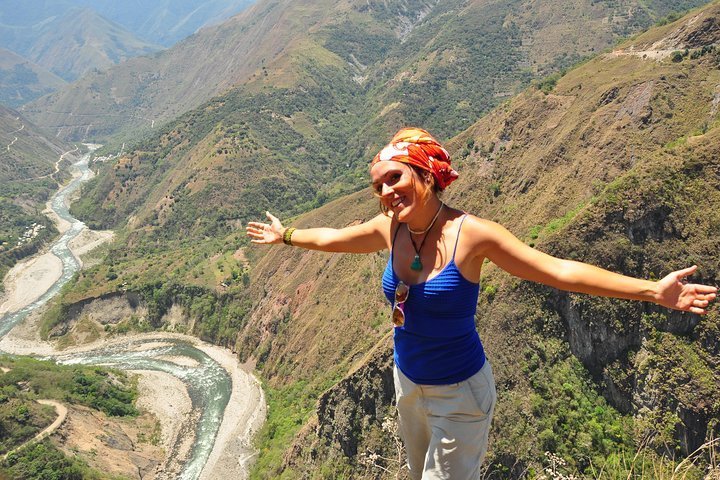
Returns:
(417, 264)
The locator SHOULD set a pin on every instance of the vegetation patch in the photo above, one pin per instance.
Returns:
(44, 461)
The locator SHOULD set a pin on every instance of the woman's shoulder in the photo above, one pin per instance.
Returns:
(471, 221)
(480, 229)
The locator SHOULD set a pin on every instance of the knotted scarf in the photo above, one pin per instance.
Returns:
(415, 146)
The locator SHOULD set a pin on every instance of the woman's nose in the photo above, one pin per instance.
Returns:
(386, 189)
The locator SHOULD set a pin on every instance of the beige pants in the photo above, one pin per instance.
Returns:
(445, 427)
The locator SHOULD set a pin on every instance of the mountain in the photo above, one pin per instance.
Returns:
(413, 57)
(166, 22)
(81, 40)
(77, 42)
(22, 80)
(30, 169)
(162, 22)
(614, 163)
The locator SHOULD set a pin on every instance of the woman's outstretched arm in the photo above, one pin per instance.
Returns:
(367, 237)
(505, 250)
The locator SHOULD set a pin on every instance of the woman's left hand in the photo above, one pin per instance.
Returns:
(674, 292)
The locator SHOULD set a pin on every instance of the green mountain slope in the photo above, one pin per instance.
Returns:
(303, 110)
(614, 164)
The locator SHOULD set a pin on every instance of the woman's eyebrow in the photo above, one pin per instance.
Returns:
(385, 176)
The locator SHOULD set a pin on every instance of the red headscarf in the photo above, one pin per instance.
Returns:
(415, 146)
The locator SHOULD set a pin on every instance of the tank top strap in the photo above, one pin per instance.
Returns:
(458, 236)
(392, 246)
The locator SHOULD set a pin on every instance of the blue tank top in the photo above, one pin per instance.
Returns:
(438, 344)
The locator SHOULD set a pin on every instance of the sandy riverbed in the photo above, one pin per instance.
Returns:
(163, 395)
(28, 280)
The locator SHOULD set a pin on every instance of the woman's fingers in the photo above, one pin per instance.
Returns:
(710, 296)
(706, 289)
(681, 274)
(264, 233)
(272, 217)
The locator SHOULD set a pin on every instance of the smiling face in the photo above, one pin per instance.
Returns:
(399, 187)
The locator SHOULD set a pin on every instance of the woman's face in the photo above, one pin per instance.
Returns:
(398, 187)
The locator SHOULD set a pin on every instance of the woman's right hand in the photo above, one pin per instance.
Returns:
(264, 233)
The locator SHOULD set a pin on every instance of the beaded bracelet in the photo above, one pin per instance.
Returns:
(287, 236)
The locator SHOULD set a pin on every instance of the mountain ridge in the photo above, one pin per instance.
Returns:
(359, 33)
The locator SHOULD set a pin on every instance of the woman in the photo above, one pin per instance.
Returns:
(445, 390)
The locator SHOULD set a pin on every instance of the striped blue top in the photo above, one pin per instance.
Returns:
(438, 344)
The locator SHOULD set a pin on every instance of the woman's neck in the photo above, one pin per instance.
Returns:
(425, 215)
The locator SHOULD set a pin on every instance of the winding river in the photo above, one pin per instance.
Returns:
(208, 383)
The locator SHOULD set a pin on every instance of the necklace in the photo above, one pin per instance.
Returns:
(417, 265)
(432, 222)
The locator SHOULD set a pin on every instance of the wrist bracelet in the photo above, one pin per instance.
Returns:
(287, 236)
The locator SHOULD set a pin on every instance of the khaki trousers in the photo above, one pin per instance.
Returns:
(445, 427)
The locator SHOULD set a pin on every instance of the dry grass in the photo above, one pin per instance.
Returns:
(702, 464)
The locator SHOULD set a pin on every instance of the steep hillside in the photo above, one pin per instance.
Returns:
(22, 80)
(30, 169)
(414, 57)
(26, 152)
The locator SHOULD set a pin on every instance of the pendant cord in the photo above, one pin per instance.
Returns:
(417, 249)
(417, 264)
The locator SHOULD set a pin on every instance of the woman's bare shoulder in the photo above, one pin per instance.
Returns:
(479, 225)
(482, 234)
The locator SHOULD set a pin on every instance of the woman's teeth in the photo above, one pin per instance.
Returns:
(396, 202)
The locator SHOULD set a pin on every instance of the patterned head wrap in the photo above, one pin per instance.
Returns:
(415, 146)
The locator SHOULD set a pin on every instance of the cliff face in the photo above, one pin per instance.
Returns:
(355, 432)
(356, 403)
(658, 220)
